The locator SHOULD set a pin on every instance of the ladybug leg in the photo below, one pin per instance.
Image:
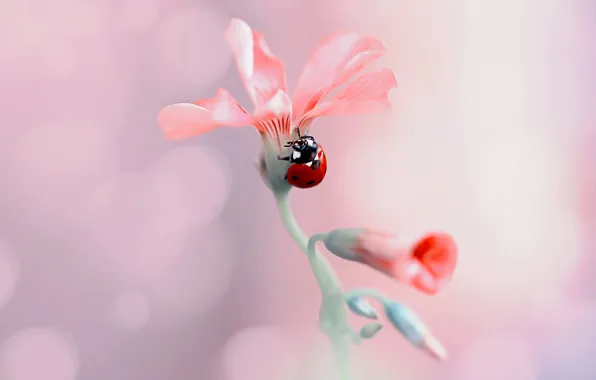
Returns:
(315, 164)
(284, 158)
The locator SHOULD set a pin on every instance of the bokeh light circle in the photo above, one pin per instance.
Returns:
(27, 31)
(130, 310)
(137, 15)
(378, 12)
(199, 280)
(54, 152)
(73, 20)
(39, 353)
(191, 49)
(58, 59)
(9, 273)
(497, 358)
(68, 161)
(568, 340)
(145, 221)
(274, 358)
(195, 179)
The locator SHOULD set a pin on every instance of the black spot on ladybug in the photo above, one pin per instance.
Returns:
(310, 182)
(294, 178)
(315, 165)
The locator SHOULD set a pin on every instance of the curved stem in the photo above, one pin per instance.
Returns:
(333, 311)
(321, 266)
(367, 292)
(319, 269)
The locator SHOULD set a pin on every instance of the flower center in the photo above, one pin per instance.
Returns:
(275, 132)
(272, 168)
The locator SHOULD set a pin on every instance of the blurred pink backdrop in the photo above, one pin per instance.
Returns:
(124, 256)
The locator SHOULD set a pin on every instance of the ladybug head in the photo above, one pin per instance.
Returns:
(304, 144)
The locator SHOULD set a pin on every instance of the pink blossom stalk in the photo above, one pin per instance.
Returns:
(282, 120)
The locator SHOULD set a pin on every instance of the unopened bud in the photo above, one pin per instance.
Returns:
(341, 242)
(369, 330)
(413, 329)
(362, 307)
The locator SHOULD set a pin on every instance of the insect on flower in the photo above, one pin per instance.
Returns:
(309, 163)
(290, 155)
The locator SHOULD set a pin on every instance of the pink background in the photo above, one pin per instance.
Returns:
(127, 257)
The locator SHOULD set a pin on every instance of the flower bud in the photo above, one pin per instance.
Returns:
(342, 241)
(425, 263)
(369, 330)
(361, 307)
(413, 329)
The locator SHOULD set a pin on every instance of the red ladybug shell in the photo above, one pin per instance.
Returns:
(304, 176)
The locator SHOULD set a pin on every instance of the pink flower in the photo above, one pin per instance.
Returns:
(427, 263)
(276, 116)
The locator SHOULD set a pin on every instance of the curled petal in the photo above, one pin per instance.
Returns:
(413, 329)
(262, 72)
(184, 120)
(369, 330)
(426, 264)
(414, 273)
(367, 94)
(334, 61)
(438, 253)
(272, 119)
(430, 264)
(361, 307)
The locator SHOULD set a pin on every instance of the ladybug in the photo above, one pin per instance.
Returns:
(309, 163)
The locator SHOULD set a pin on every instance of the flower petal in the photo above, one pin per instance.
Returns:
(333, 62)
(272, 119)
(368, 94)
(438, 253)
(399, 258)
(262, 72)
(184, 120)
(279, 105)
(411, 271)
(381, 250)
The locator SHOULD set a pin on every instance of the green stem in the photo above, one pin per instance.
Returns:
(333, 311)
(320, 267)
(341, 349)
(331, 282)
